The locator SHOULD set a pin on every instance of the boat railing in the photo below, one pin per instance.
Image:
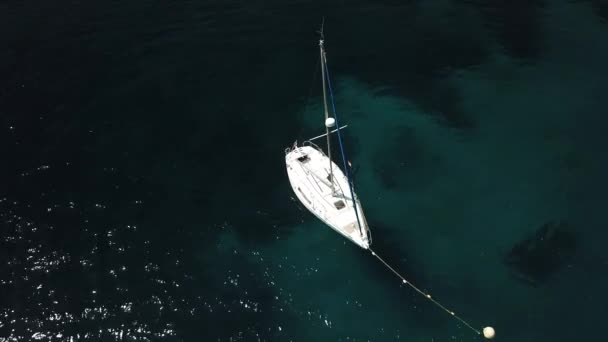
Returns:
(293, 147)
(313, 145)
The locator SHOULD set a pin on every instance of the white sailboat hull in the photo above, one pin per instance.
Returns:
(308, 171)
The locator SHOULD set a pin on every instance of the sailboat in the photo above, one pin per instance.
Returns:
(320, 185)
(328, 191)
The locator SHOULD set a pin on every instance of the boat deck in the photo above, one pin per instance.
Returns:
(309, 175)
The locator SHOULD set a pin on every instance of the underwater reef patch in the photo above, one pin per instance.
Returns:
(536, 258)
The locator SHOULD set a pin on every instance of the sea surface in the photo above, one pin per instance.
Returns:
(144, 197)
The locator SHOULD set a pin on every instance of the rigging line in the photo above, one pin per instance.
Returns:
(346, 169)
(320, 32)
(426, 295)
(323, 69)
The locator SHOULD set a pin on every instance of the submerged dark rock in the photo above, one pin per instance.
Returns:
(538, 257)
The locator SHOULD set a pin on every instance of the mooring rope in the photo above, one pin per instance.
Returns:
(426, 295)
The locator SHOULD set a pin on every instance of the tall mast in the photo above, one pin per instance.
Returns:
(327, 123)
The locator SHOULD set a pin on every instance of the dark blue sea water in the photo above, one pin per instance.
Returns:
(144, 197)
